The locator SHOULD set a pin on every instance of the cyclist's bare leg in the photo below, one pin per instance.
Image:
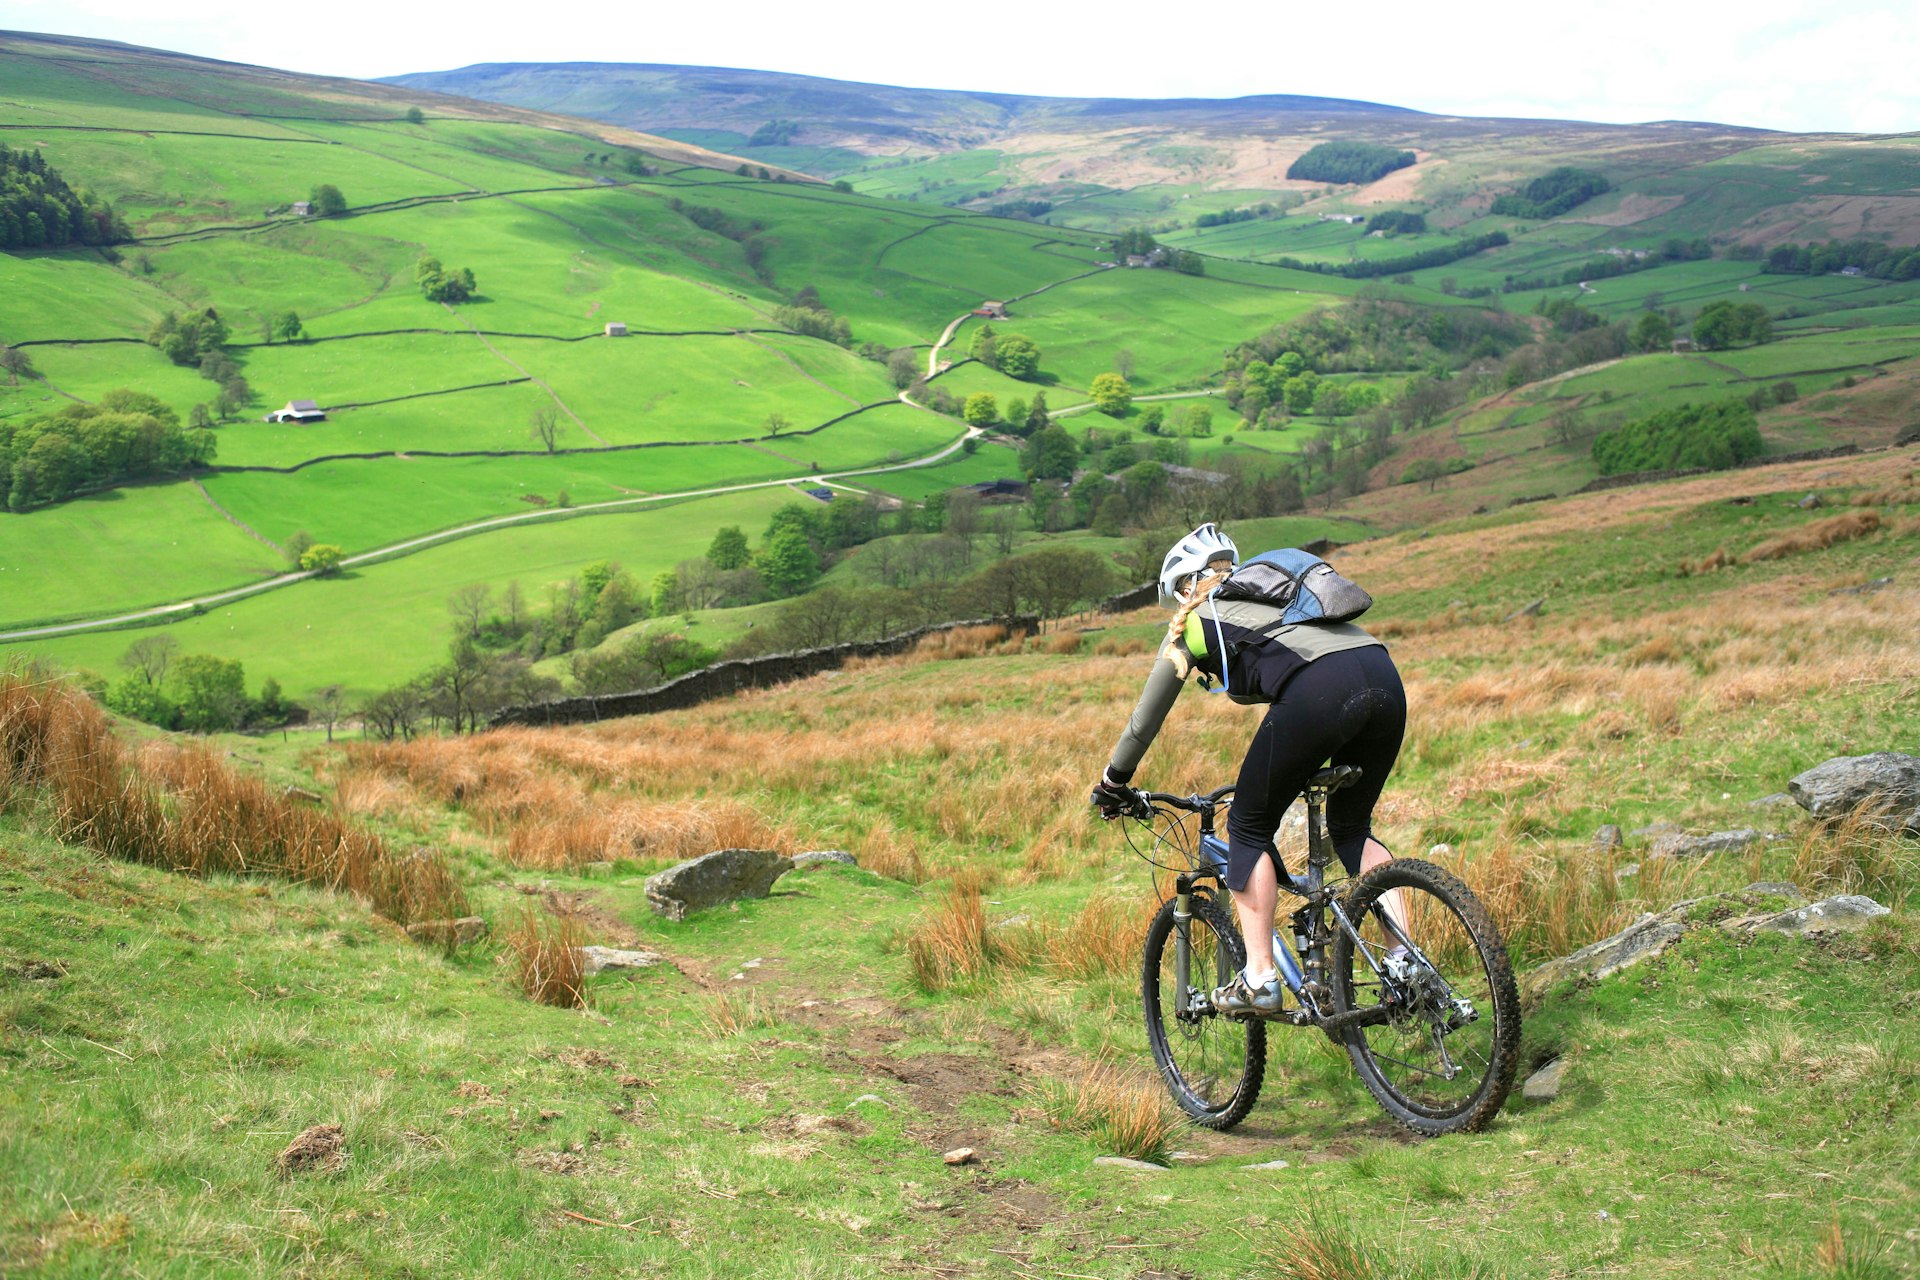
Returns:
(1254, 905)
(1372, 854)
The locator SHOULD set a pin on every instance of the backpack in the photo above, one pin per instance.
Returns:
(1305, 586)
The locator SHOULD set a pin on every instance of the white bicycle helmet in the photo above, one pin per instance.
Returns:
(1192, 554)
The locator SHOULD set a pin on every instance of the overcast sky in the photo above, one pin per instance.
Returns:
(1799, 65)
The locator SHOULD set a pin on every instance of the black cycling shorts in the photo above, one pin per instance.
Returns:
(1345, 708)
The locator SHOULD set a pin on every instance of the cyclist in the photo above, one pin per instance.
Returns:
(1334, 694)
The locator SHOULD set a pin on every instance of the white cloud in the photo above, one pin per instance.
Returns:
(1784, 64)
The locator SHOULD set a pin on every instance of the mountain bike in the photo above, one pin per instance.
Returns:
(1428, 1011)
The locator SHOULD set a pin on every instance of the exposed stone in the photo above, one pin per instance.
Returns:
(713, 879)
(1885, 784)
(1678, 844)
(1654, 830)
(1864, 589)
(1775, 889)
(1127, 1162)
(1544, 1084)
(1624, 870)
(1810, 502)
(1271, 1164)
(820, 857)
(959, 1155)
(1608, 838)
(458, 933)
(866, 1098)
(1529, 610)
(1773, 801)
(1012, 921)
(599, 959)
(1847, 913)
(1186, 1157)
(1644, 939)
(1440, 851)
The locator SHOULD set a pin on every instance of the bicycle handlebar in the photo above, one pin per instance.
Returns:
(1195, 803)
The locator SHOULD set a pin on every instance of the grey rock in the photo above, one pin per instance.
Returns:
(713, 879)
(1529, 610)
(867, 1099)
(1848, 913)
(1773, 801)
(599, 959)
(1624, 870)
(1127, 1162)
(1810, 502)
(1012, 921)
(1678, 844)
(1544, 1084)
(1884, 785)
(1642, 940)
(820, 857)
(959, 1155)
(1271, 1164)
(1654, 830)
(1864, 589)
(1609, 837)
(1186, 1157)
(458, 933)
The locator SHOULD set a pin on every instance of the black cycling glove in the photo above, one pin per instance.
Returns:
(1113, 798)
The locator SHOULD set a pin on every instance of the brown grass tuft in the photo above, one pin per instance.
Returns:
(181, 808)
(960, 642)
(1063, 643)
(734, 1013)
(1124, 1113)
(1815, 536)
(1122, 646)
(1104, 939)
(547, 952)
(952, 943)
(887, 852)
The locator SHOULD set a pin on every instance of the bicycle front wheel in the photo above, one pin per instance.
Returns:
(1443, 1057)
(1212, 1065)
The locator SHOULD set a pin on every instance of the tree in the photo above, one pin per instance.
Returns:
(1123, 362)
(1298, 391)
(1050, 454)
(776, 423)
(982, 409)
(1054, 580)
(903, 366)
(985, 347)
(322, 559)
(416, 116)
(297, 546)
(544, 425)
(1198, 420)
(1111, 394)
(1019, 356)
(1428, 471)
(787, 562)
(210, 692)
(441, 284)
(1652, 332)
(1037, 415)
(287, 326)
(16, 362)
(326, 199)
(728, 550)
(329, 702)
(149, 657)
(468, 605)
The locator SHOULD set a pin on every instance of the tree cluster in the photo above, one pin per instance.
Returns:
(1438, 256)
(1872, 258)
(1552, 193)
(1727, 323)
(1251, 213)
(808, 315)
(1028, 209)
(1015, 355)
(1709, 435)
(443, 284)
(195, 692)
(1376, 334)
(1348, 162)
(126, 436)
(721, 223)
(38, 210)
(1398, 222)
(775, 133)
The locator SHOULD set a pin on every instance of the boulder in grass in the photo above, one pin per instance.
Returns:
(1847, 913)
(1884, 785)
(824, 857)
(1678, 844)
(714, 879)
(598, 959)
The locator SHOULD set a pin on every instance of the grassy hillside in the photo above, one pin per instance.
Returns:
(782, 1087)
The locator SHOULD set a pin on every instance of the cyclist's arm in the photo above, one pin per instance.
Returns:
(1163, 686)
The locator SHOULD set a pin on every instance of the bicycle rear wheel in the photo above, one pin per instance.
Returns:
(1212, 1065)
(1444, 1057)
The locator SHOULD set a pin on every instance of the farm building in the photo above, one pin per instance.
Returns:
(616, 329)
(992, 310)
(998, 489)
(823, 493)
(298, 411)
(301, 208)
(1682, 344)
